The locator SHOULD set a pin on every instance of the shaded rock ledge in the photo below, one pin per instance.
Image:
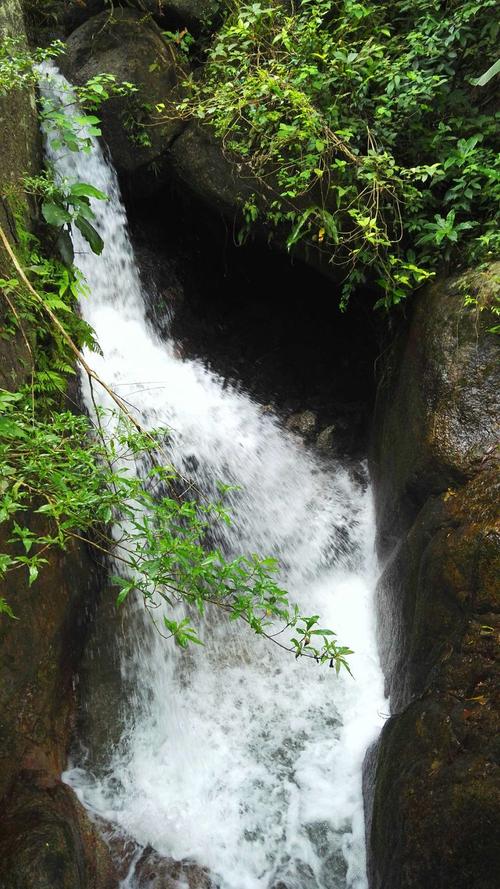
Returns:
(434, 462)
(46, 839)
(196, 15)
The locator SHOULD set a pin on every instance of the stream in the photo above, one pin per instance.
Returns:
(234, 755)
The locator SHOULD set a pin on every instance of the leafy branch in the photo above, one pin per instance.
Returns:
(350, 118)
(78, 480)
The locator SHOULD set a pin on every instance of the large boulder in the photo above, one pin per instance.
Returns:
(48, 842)
(436, 806)
(150, 150)
(203, 170)
(133, 49)
(437, 401)
(200, 166)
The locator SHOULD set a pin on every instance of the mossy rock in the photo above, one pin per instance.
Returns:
(437, 805)
(132, 48)
(21, 143)
(437, 402)
(21, 156)
(435, 464)
(48, 842)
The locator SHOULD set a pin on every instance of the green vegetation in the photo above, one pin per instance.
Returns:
(62, 204)
(363, 129)
(80, 479)
(67, 477)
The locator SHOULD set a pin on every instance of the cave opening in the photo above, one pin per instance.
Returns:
(257, 316)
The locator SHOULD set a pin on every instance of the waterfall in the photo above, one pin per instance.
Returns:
(234, 755)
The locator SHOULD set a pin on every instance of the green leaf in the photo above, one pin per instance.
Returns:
(54, 214)
(64, 245)
(122, 595)
(90, 234)
(489, 74)
(10, 429)
(32, 574)
(83, 189)
(6, 609)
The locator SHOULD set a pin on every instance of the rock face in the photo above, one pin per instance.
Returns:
(132, 48)
(38, 655)
(199, 164)
(20, 141)
(46, 839)
(436, 802)
(154, 872)
(192, 14)
(21, 155)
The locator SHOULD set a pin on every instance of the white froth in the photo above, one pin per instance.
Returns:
(236, 756)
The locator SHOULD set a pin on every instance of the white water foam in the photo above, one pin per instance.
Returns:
(235, 756)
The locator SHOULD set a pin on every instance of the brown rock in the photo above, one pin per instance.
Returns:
(305, 423)
(48, 842)
(436, 806)
(155, 872)
(131, 47)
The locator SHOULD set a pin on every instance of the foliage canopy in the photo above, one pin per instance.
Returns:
(363, 128)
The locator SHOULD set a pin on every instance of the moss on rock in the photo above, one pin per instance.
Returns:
(47, 841)
(131, 47)
(436, 803)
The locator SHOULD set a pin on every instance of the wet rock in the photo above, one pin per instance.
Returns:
(437, 403)
(39, 653)
(48, 842)
(155, 872)
(436, 812)
(304, 423)
(133, 49)
(437, 483)
(103, 692)
(199, 164)
(326, 439)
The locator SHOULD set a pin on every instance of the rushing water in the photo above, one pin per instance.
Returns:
(235, 756)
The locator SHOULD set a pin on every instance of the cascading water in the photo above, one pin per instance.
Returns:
(234, 756)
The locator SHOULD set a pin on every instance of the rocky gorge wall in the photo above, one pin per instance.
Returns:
(434, 463)
(46, 839)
